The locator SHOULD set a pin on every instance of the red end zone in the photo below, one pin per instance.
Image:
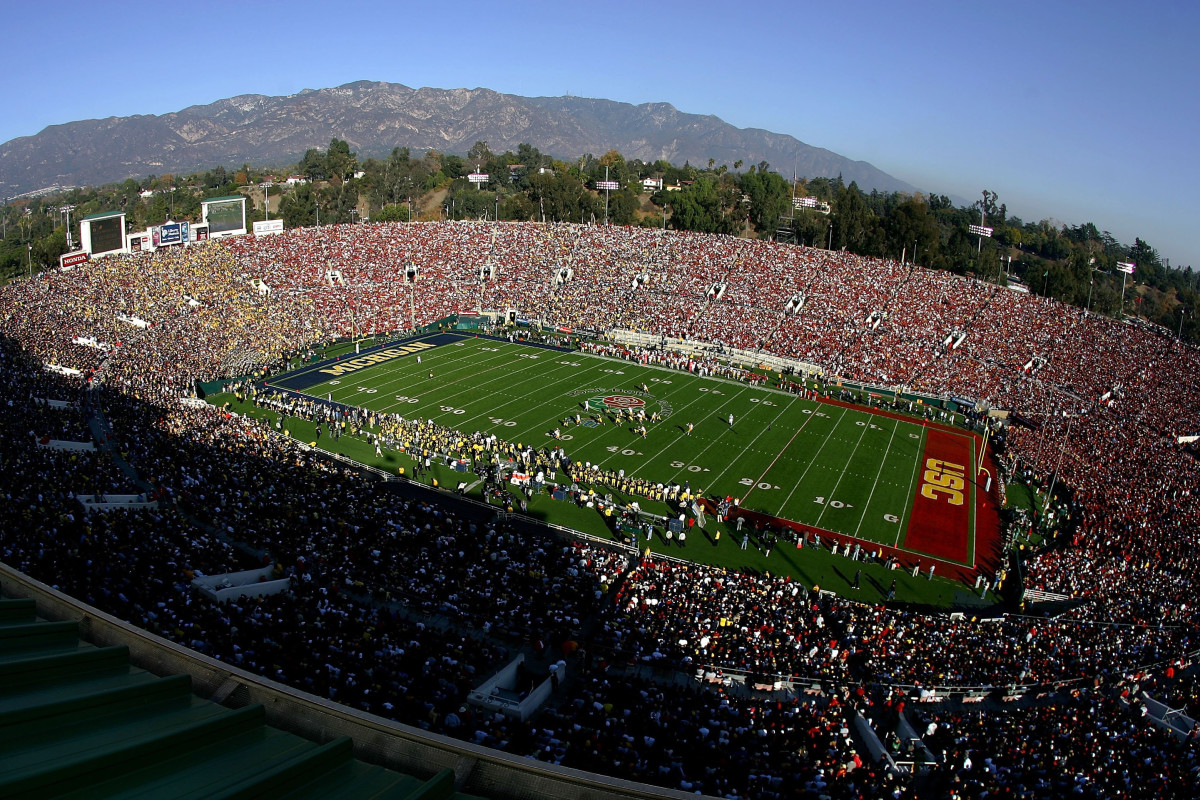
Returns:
(940, 525)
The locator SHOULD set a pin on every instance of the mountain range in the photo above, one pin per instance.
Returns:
(374, 117)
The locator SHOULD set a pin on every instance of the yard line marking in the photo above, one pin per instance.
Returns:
(756, 438)
(815, 457)
(719, 414)
(909, 495)
(397, 376)
(780, 455)
(442, 399)
(540, 428)
(878, 475)
(841, 477)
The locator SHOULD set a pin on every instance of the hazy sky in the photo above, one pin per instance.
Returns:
(1080, 111)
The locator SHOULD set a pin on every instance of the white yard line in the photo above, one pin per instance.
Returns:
(815, 457)
(908, 505)
(828, 501)
(878, 475)
(756, 438)
(718, 414)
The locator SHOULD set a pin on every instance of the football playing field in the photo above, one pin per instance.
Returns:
(876, 477)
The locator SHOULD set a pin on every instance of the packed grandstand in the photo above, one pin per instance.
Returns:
(400, 603)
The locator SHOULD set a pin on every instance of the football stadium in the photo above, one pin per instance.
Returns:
(488, 509)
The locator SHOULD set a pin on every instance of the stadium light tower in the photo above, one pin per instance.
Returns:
(266, 187)
(607, 186)
(67, 210)
(979, 229)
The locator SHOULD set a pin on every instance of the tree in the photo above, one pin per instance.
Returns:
(391, 213)
(453, 167)
(530, 156)
(855, 227)
(770, 199)
(622, 207)
(340, 163)
(563, 198)
(298, 207)
(312, 165)
(704, 207)
(518, 207)
(479, 154)
(1149, 266)
(912, 229)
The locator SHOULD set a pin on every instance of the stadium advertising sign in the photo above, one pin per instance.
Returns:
(478, 177)
(171, 233)
(71, 260)
(268, 227)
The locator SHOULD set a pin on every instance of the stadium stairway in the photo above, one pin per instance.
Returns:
(79, 721)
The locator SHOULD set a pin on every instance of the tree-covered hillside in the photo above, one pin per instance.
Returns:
(1074, 263)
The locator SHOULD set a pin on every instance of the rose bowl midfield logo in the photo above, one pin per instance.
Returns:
(615, 402)
(610, 399)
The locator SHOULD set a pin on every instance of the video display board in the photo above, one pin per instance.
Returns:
(108, 234)
(225, 215)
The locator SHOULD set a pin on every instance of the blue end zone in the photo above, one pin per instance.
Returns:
(331, 368)
(347, 365)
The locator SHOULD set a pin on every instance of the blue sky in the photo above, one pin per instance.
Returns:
(1081, 111)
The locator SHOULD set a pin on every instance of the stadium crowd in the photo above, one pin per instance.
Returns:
(399, 605)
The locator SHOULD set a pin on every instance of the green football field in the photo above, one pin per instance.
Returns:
(844, 470)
